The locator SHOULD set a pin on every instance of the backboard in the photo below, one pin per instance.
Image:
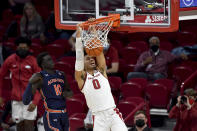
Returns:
(136, 15)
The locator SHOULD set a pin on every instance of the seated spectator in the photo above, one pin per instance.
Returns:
(17, 5)
(140, 122)
(31, 24)
(185, 111)
(153, 64)
(112, 59)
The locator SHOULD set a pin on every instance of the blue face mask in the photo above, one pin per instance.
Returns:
(106, 47)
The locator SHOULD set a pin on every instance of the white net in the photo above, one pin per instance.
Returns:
(96, 35)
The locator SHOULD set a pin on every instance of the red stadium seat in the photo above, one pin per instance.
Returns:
(180, 73)
(74, 87)
(69, 78)
(130, 54)
(159, 96)
(116, 35)
(165, 45)
(77, 121)
(7, 15)
(56, 50)
(125, 68)
(136, 100)
(186, 37)
(75, 106)
(188, 43)
(117, 44)
(122, 64)
(145, 106)
(115, 83)
(126, 107)
(64, 43)
(43, 11)
(131, 89)
(133, 37)
(80, 97)
(166, 82)
(141, 45)
(190, 64)
(69, 59)
(142, 81)
(65, 67)
(128, 68)
(37, 48)
(10, 43)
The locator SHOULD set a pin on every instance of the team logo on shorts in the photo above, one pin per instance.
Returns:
(188, 2)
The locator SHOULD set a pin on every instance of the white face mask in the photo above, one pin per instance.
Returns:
(106, 47)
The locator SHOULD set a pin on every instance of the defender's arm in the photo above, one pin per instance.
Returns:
(35, 82)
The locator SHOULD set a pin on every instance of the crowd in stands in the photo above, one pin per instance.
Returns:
(153, 67)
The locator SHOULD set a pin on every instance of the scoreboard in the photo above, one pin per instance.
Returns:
(188, 4)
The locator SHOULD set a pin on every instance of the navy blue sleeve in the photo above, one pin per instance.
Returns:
(27, 96)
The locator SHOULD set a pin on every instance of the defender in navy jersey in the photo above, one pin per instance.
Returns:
(53, 87)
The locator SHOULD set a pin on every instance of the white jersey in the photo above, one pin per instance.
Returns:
(97, 92)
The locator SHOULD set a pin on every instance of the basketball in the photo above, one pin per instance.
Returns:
(94, 47)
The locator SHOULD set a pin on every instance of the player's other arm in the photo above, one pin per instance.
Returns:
(79, 63)
(35, 83)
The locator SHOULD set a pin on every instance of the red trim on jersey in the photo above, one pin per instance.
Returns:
(84, 81)
(93, 118)
(117, 112)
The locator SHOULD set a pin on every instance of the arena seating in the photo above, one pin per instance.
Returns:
(129, 95)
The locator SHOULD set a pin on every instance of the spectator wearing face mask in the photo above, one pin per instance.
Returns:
(140, 122)
(112, 59)
(22, 66)
(185, 111)
(153, 64)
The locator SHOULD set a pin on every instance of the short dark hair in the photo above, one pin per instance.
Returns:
(153, 37)
(23, 40)
(140, 112)
(40, 58)
(190, 92)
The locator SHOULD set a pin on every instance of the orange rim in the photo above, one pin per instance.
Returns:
(112, 17)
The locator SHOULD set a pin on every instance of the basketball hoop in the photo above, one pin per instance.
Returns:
(94, 33)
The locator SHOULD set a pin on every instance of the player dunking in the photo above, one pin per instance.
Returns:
(92, 80)
(53, 87)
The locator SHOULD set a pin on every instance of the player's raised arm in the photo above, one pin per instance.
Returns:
(79, 63)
